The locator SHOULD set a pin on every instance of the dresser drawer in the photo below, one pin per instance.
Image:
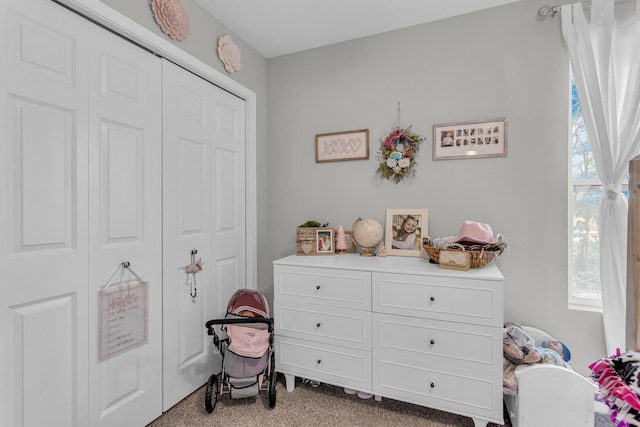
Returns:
(444, 343)
(319, 323)
(463, 391)
(478, 302)
(335, 288)
(335, 365)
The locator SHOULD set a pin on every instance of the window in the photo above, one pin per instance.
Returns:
(584, 213)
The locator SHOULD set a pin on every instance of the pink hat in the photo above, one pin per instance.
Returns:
(475, 232)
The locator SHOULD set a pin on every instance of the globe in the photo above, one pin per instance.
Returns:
(366, 233)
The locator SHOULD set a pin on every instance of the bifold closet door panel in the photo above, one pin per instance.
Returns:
(43, 216)
(125, 223)
(229, 197)
(186, 228)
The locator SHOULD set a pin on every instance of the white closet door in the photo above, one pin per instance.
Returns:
(229, 197)
(80, 191)
(125, 220)
(204, 211)
(43, 216)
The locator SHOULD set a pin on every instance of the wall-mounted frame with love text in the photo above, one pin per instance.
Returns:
(340, 146)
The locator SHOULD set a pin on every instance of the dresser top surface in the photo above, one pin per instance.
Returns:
(389, 264)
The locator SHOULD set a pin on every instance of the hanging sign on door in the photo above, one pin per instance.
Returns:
(122, 318)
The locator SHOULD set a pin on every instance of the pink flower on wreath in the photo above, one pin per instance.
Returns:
(391, 138)
(171, 17)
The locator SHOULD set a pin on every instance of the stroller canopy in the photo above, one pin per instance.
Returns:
(250, 340)
(248, 303)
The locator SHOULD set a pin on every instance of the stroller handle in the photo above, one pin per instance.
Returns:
(238, 321)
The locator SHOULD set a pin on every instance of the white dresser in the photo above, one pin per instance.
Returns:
(397, 327)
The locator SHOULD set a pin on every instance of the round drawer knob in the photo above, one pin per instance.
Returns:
(432, 299)
(432, 342)
(317, 287)
(319, 361)
(432, 385)
(318, 325)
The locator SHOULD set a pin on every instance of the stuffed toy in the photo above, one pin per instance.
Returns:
(520, 348)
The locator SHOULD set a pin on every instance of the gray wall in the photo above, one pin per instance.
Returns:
(504, 62)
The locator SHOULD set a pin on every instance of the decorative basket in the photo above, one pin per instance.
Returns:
(478, 258)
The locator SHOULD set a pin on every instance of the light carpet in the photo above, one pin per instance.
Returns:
(309, 406)
(325, 405)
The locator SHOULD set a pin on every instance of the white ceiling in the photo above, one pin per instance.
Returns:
(280, 27)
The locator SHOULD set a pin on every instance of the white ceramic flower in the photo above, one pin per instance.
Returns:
(391, 163)
(229, 54)
(397, 169)
(404, 163)
(171, 17)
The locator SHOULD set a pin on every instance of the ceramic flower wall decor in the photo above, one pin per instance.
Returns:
(171, 17)
(229, 54)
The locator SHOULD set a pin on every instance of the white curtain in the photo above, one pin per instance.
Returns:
(605, 57)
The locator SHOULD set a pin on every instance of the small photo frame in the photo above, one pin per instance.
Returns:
(404, 231)
(341, 146)
(325, 241)
(313, 241)
(468, 140)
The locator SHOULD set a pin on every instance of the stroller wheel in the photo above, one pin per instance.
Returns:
(272, 389)
(211, 393)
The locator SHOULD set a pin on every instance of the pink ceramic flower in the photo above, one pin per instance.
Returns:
(171, 17)
(229, 53)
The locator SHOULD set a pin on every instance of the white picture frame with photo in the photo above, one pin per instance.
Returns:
(404, 231)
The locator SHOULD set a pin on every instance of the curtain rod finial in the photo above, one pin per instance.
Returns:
(548, 10)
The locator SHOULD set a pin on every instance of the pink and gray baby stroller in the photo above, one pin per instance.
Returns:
(245, 341)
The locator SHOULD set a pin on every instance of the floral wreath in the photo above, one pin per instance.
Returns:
(398, 152)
